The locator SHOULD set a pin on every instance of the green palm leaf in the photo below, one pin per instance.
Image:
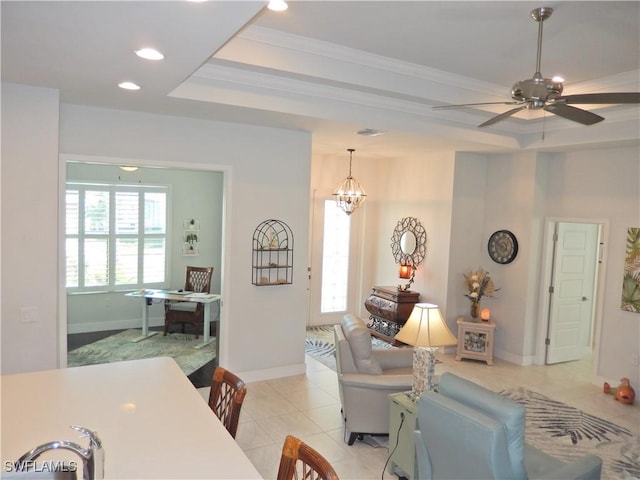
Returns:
(633, 245)
(631, 292)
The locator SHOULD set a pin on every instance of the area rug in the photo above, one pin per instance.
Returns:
(567, 432)
(320, 344)
(118, 347)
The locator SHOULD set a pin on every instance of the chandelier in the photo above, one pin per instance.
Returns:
(349, 194)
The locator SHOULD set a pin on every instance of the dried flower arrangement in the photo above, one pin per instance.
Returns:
(478, 285)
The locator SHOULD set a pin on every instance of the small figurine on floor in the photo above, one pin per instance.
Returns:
(624, 393)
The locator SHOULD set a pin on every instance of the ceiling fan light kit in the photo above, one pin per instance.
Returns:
(539, 93)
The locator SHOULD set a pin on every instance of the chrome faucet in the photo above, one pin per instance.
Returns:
(92, 457)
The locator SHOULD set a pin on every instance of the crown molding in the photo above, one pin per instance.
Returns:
(301, 55)
(330, 52)
(284, 86)
(270, 70)
(621, 82)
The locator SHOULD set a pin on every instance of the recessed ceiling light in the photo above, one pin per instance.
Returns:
(129, 86)
(370, 132)
(128, 168)
(277, 5)
(149, 54)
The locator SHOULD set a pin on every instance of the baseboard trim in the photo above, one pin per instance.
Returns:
(512, 358)
(271, 373)
(599, 381)
(112, 325)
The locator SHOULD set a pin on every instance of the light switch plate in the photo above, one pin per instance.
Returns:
(29, 314)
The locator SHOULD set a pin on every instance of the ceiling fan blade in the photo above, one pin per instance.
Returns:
(444, 107)
(502, 116)
(572, 113)
(600, 98)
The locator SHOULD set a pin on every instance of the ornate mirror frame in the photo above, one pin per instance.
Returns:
(408, 229)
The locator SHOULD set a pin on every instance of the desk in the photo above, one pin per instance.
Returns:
(152, 422)
(149, 295)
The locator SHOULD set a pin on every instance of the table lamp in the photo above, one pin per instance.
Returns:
(425, 330)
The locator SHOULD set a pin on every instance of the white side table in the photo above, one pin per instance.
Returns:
(475, 340)
(403, 461)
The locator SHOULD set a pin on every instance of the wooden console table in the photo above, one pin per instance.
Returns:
(389, 309)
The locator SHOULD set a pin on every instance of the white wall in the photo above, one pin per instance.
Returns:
(459, 198)
(604, 184)
(518, 192)
(467, 225)
(510, 204)
(418, 186)
(266, 176)
(29, 227)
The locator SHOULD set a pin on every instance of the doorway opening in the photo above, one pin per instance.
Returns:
(90, 315)
(571, 290)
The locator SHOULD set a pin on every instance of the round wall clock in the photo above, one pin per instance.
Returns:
(503, 246)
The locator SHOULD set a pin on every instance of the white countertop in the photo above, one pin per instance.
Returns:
(152, 422)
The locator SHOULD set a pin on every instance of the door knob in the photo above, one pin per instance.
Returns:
(584, 299)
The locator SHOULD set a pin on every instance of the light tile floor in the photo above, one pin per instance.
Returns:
(308, 406)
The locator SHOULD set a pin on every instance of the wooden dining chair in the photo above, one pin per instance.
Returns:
(300, 461)
(226, 397)
(198, 280)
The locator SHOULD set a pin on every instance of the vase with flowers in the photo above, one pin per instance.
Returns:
(478, 284)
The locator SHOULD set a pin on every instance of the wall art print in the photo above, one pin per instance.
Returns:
(631, 279)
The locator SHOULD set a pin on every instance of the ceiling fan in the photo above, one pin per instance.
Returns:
(538, 93)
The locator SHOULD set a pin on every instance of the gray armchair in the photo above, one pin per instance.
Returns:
(469, 432)
(367, 376)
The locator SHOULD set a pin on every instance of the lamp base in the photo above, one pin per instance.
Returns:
(424, 362)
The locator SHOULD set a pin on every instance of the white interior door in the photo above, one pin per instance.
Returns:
(333, 265)
(572, 292)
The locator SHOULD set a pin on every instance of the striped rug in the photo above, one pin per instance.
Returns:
(566, 432)
(319, 344)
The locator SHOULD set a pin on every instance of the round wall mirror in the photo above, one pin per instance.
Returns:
(409, 241)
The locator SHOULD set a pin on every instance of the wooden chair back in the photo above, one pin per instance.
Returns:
(198, 279)
(226, 397)
(300, 461)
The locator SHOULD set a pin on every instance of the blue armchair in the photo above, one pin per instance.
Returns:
(469, 432)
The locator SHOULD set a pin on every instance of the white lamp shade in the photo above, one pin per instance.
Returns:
(425, 327)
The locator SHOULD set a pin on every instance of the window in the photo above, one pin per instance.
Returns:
(116, 237)
(335, 259)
